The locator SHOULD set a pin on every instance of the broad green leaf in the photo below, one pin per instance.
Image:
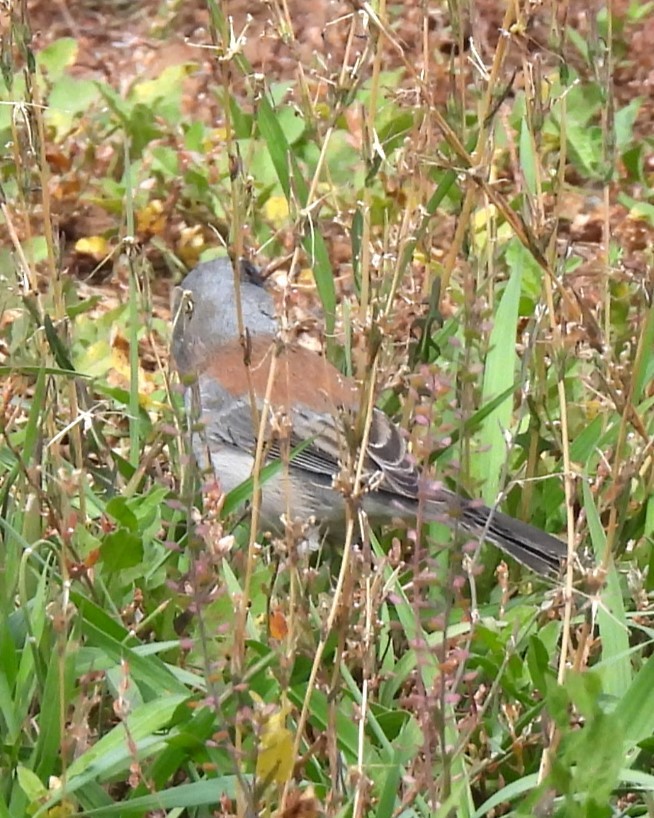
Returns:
(58, 56)
(635, 710)
(118, 509)
(121, 549)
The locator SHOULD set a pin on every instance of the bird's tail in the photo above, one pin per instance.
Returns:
(539, 551)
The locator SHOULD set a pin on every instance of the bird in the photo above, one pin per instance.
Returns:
(308, 408)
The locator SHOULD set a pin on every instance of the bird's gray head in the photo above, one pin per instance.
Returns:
(205, 315)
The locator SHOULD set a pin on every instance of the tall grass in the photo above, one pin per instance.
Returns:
(158, 653)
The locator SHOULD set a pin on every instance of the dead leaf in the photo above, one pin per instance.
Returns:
(275, 760)
(95, 246)
(277, 625)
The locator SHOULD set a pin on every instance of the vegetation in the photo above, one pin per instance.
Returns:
(156, 656)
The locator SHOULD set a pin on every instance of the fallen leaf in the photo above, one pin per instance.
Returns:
(96, 246)
(277, 625)
(275, 760)
(276, 210)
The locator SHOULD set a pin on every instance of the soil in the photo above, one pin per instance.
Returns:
(120, 42)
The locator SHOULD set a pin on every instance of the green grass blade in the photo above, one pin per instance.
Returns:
(635, 708)
(499, 375)
(615, 668)
(294, 186)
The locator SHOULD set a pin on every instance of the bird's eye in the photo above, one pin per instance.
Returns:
(189, 305)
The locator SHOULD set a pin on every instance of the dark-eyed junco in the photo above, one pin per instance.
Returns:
(308, 405)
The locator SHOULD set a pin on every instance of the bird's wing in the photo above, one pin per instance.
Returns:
(388, 453)
(312, 407)
(306, 400)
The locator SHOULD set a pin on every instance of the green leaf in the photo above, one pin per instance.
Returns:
(194, 136)
(586, 147)
(316, 249)
(166, 85)
(121, 549)
(242, 123)
(635, 709)
(499, 375)
(30, 784)
(165, 160)
(278, 148)
(319, 715)
(117, 644)
(538, 660)
(511, 792)
(185, 797)
(33, 370)
(637, 209)
(393, 133)
(118, 509)
(57, 692)
(111, 755)
(638, 10)
(69, 98)
(625, 119)
(615, 668)
(584, 446)
(83, 306)
(291, 123)
(56, 346)
(295, 187)
(641, 376)
(58, 56)
(388, 799)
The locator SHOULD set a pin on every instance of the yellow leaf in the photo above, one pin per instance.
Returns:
(96, 246)
(593, 408)
(151, 218)
(164, 86)
(275, 760)
(63, 810)
(306, 278)
(191, 243)
(276, 210)
(482, 217)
